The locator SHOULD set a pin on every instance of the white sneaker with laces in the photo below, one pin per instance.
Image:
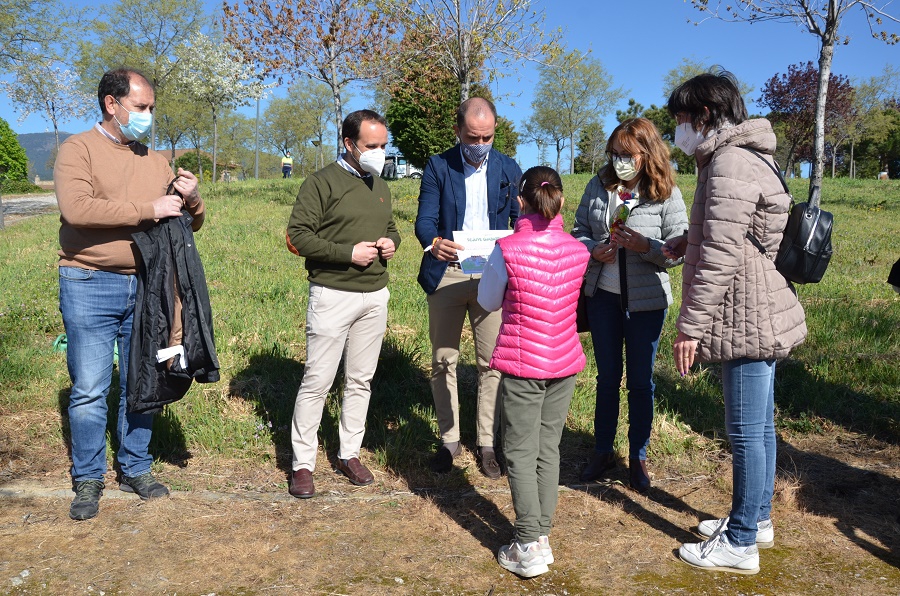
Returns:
(522, 559)
(716, 554)
(544, 541)
(765, 531)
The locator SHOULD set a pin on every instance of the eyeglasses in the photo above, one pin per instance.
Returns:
(613, 156)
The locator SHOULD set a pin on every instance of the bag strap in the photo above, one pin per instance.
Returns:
(771, 167)
(750, 236)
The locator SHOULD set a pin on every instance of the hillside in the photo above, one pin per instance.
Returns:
(39, 147)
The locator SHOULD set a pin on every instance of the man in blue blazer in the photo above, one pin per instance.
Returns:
(469, 187)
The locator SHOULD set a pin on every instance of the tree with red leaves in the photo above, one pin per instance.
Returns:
(792, 97)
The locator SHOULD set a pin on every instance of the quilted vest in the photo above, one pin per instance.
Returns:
(546, 267)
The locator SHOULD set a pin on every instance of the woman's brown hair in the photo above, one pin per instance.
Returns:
(638, 136)
(542, 189)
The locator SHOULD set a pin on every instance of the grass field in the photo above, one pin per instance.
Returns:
(844, 379)
(846, 373)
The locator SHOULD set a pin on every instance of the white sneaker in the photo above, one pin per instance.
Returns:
(522, 559)
(544, 541)
(765, 531)
(716, 554)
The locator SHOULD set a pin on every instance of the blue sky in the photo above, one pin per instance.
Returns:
(639, 42)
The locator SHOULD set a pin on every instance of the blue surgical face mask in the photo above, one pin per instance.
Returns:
(139, 124)
(476, 153)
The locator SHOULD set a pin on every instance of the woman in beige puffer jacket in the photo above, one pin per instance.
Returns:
(736, 308)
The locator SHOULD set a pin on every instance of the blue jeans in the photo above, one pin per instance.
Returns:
(97, 309)
(749, 387)
(640, 334)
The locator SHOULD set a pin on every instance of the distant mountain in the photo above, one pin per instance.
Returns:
(40, 147)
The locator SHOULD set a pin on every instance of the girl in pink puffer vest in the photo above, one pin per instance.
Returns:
(535, 275)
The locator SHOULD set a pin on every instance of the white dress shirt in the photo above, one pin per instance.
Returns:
(476, 217)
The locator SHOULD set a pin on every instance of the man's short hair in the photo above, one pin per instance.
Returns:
(478, 106)
(117, 83)
(353, 122)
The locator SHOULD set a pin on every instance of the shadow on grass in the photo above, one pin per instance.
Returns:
(399, 429)
(270, 381)
(863, 503)
(623, 497)
(167, 444)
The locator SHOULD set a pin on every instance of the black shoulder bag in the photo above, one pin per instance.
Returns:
(805, 248)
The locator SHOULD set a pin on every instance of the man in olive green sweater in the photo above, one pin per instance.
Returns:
(343, 225)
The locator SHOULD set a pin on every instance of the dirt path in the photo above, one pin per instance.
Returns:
(836, 516)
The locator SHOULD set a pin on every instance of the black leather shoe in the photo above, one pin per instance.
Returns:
(442, 462)
(638, 476)
(598, 466)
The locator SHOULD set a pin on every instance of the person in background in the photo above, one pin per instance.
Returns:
(735, 307)
(534, 275)
(627, 285)
(110, 186)
(287, 165)
(343, 225)
(469, 187)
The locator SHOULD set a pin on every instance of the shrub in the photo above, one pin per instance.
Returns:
(19, 187)
(188, 161)
(13, 161)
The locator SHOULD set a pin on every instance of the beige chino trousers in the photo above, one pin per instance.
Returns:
(455, 297)
(339, 324)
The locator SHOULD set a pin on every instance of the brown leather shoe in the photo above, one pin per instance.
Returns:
(357, 473)
(302, 485)
(638, 476)
(598, 466)
(490, 467)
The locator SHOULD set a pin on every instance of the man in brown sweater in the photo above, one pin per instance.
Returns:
(110, 186)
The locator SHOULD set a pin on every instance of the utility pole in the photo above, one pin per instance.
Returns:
(256, 165)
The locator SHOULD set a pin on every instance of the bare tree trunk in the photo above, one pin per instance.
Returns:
(199, 163)
(833, 159)
(826, 55)
(572, 154)
(852, 162)
(461, 42)
(338, 119)
(215, 143)
(789, 161)
(559, 149)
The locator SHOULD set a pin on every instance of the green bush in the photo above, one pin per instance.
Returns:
(188, 161)
(13, 162)
(19, 187)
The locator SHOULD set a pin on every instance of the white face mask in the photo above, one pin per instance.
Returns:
(687, 139)
(625, 168)
(372, 160)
